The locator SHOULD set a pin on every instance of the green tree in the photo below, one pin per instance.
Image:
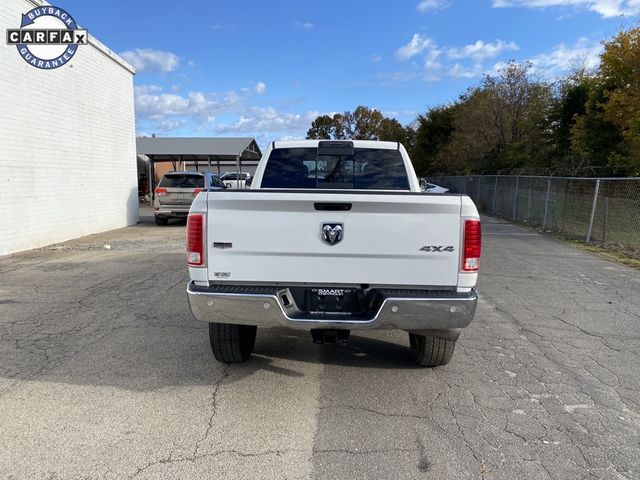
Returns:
(502, 125)
(363, 123)
(593, 137)
(568, 104)
(571, 104)
(326, 127)
(607, 133)
(391, 130)
(620, 80)
(433, 132)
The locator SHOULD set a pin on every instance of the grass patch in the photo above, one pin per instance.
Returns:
(620, 256)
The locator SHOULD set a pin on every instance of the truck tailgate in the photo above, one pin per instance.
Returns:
(276, 237)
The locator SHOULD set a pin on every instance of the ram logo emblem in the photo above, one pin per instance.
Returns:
(332, 233)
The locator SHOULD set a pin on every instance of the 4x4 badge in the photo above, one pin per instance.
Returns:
(332, 233)
(437, 248)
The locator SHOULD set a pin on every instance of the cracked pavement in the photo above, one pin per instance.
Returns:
(105, 375)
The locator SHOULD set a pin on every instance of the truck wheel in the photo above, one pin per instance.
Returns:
(232, 343)
(431, 351)
(161, 220)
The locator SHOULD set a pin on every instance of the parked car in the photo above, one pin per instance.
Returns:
(175, 193)
(358, 246)
(431, 187)
(236, 180)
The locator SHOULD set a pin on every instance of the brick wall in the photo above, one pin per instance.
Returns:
(67, 144)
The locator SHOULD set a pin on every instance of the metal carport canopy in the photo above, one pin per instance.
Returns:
(198, 150)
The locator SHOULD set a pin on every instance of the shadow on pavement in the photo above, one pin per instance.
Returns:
(362, 351)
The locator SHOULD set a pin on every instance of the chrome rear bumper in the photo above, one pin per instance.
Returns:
(263, 307)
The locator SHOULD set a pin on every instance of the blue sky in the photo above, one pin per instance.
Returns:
(266, 69)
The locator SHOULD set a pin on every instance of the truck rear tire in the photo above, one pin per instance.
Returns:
(161, 220)
(232, 343)
(431, 351)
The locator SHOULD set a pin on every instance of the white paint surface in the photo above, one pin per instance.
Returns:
(67, 144)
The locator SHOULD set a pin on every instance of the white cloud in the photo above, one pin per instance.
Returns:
(564, 58)
(416, 45)
(400, 113)
(426, 6)
(169, 125)
(480, 50)
(216, 113)
(460, 71)
(157, 105)
(146, 60)
(431, 58)
(605, 8)
(452, 62)
(258, 119)
(305, 25)
(146, 89)
(375, 58)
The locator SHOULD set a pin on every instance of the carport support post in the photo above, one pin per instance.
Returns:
(593, 210)
(546, 205)
(238, 172)
(495, 193)
(515, 199)
(149, 184)
(152, 178)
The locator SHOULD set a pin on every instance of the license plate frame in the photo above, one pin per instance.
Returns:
(333, 301)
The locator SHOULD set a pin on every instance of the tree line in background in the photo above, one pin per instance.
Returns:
(514, 122)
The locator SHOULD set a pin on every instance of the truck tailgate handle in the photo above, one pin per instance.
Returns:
(332, 207)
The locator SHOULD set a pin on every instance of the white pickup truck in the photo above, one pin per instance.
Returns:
(334, 236)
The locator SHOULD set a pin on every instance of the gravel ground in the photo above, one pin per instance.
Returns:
(104, 374)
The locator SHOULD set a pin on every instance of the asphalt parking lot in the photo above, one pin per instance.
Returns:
(104, 374)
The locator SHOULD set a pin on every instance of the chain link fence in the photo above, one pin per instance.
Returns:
(604, 210)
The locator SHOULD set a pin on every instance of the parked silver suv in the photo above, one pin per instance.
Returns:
(175, 193)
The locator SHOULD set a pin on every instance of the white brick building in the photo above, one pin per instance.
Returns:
(67, 143)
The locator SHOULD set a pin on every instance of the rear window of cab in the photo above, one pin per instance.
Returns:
(366, 169)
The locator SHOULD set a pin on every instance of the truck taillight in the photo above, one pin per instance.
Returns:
(161, 191)
(472, 245)
(195, 240)
(196, 191)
